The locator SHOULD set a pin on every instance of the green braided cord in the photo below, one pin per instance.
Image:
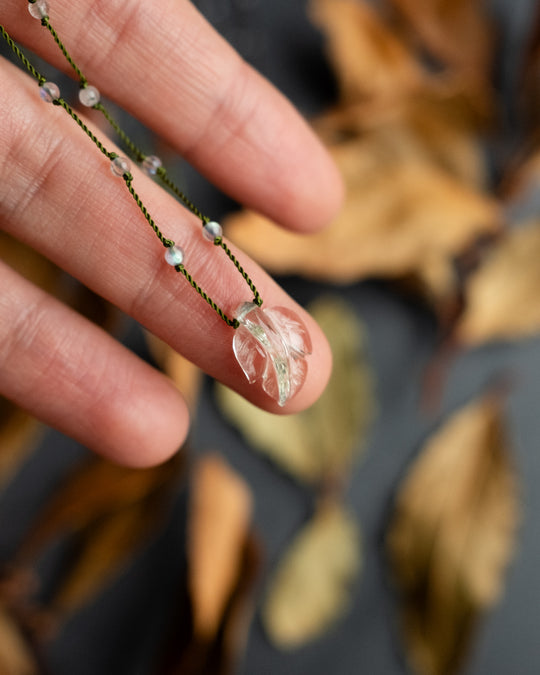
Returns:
(234, 323)
(256, 297)
(45, 22)
(166, 242)
(164, 178)
(139, 155)
(22, 58)
(126, 140)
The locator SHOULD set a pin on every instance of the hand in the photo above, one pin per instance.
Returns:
(164, 64)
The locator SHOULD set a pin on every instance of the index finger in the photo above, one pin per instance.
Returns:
(166, 65)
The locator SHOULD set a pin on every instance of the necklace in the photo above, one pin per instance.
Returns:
(269, 344)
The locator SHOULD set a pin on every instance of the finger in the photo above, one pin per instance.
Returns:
(57, 194)
(72, 375)
(163, 62)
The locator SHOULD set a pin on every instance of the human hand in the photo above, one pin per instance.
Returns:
(164, 64)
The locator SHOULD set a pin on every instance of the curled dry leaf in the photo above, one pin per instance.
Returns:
(453, 533)
(457, 32)
(220, 514)
(320, 443)
(369, 60)
(311, 587)
(15, 656)
(501, 297)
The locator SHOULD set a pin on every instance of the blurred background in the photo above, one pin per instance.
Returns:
(393, 528)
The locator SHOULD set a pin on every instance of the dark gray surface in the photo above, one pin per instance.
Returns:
(119, 634)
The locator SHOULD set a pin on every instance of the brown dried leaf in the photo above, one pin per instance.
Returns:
(186, 376)
(310, 589)
(501, 297)
(220, 514)
(322, 442)
(453, 534)
(92, 492)
(107, 549)
(457, 32)
(369, 60)
(19, 436)
(15, 656)
(401, 214)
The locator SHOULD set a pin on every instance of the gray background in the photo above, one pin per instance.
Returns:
(120, 633)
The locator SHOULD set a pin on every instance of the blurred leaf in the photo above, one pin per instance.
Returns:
(186, 375)
(369, 60)
(311, 588)
(220, 513)
(458, 33)
(107, 548)
(453, 533)
(318, 444)
(19, 436)
(402, 215)
(501, 297)
(15, 655)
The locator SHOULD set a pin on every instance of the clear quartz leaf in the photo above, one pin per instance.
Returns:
(271, 345)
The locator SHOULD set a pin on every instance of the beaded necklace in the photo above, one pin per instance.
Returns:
(271, 344)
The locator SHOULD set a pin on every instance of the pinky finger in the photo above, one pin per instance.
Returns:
(75, 377)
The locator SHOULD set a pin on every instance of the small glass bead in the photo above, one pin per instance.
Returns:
(151, 164)
(49, 92)
(89, 96)
(120, 166)
(212, 230)
(39, 9)
(174, 255)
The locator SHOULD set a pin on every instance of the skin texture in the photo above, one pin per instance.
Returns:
(161, 61)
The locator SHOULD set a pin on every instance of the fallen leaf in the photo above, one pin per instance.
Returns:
(92, 492)
(219, 519)
(15, 656)
(401, 214)
(459, 33)
(19, 436)
(311, 587)
(453, 533)
(501, 297)
(369, 60)
(321, 443)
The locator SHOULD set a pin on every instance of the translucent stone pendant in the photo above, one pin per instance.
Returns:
(271, 345)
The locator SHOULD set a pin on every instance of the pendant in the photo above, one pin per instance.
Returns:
(271, 345)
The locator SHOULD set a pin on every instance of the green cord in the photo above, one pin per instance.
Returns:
(139, 156)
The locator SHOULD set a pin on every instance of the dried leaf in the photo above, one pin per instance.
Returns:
(106, 550)
(220, 514)
(19, 436)
(457, 32)
(15, 656)
(453, 534)
(311, 587)
(369, 60)
(400, 215)
(94, 491)
(186, 375)
(322, 442)
(501, 297)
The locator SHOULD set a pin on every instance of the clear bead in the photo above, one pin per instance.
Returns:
(212, 230)
(150, 165)
(174, 255)
(39, 9)
(120, 166)
(49, 92)
(89, 96)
